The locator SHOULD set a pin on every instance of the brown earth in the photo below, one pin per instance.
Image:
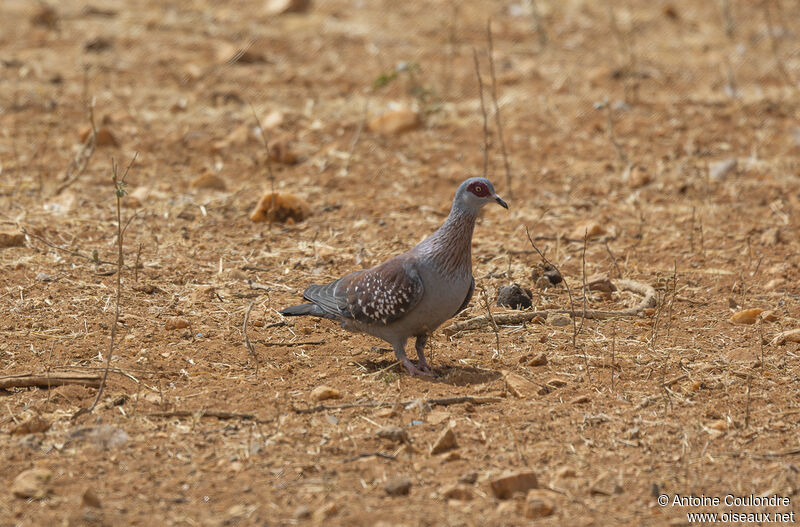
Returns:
(616, 115)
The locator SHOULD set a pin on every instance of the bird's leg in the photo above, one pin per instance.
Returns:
(400, 352)
(420, 347)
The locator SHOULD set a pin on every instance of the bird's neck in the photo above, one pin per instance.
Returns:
(450, 247)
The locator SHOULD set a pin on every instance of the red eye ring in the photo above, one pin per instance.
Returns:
(479, 189)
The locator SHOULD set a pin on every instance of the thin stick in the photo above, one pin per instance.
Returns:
(247, 343)
(585, 295)
(613, 260)
(119, 193)
(672, 298)
(747, 406)
(49, 379)
(491, 319)
(566, 284)
(506, 164)
(209, 413)
(356, 137)
(483, 111)
(613, 354)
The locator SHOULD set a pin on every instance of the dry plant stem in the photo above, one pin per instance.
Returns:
(72, 252)
(566, 284)
(585, 295)
(491, 319)
(497, 119)
(613, 354)
(483, 112)
(519, 317)
(516, 441)
(613, 137)
(444, 401)
(249, 345)
(356, 136)
(773, 42)
(747, 405)
(538, 24)
(209, 413)
(269, 158)
(672, 298)
(119, 192)
(613, 260)
(49, 379)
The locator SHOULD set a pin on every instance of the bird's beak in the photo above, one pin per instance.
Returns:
(500, 201)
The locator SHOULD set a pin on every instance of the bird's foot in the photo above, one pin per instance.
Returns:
(423, 371)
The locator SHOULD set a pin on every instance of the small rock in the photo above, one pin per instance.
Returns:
(505, 486)
(45, 16)
(581, 399)
(209, 180)
(34, 425)
(558, 320)
(280, 207)
(398, 486)
(507, 508)
(103, 436)
(543, 283)
(514, 296)
(547, 272)
(230, 54)
(447, 457)
(639, 177)
(538, 360)
(90, 499)
(302, 512)
(32, 484)
(556, 382)
(44, 277)
(769, 316)
(446, 441)
(792, 335)
(176, 323)
(393, 433)
(104, 137)
(11, 239)
(281, 151)
(457, 492)
(538, 504)
(204, 293)
(719, 170)
(600, 282)
(395, 122)
(468, 477)
(147, 289)
(748, 316)
(519, 386)
(775, 283)
(323, 393)
(282, 7)
(98, 45)
(589, 229)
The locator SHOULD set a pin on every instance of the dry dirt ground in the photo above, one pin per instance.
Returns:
(626, 114)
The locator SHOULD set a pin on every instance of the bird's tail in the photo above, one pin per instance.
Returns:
(303, 309)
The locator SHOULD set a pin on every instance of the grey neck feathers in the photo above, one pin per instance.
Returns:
(450, 247)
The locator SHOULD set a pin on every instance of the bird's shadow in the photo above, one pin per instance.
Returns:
(390, 370)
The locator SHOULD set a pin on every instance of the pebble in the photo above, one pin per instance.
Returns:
(395, 122)
(32, 484)
(445, 442)
(281, 7)
(507, 485)
(468, 477)
(514, 296)
(747, 316)
(519, 386)
(323, 393)
(792, 335)
(589, 229)
(176, 323)
(719, 170)
(208, 180)
(393, 433)
(34, 425)
(457, 492)
(90, 498)
(11, 239)
(103, 436)
(398, 486)
(538, 504)
(281, 207)
(559, 320)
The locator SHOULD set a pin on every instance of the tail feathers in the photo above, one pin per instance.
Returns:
(303, 309)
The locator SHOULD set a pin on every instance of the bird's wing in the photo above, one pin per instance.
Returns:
(465, 303)
(380, 295)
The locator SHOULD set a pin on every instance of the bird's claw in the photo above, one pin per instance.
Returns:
(423, 370)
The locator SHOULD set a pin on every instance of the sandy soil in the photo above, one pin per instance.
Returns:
(625, 115)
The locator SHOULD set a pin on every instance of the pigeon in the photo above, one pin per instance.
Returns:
(413, 293)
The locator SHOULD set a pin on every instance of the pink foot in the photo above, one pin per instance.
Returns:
(414, 371)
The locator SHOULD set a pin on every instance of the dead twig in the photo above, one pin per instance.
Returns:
(493, 324)
(247, 343)
(369, 454)
(209, 413)
(498, 122)
(49, 379)
(444, 401)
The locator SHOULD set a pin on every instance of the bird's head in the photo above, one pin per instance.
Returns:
(476, 192)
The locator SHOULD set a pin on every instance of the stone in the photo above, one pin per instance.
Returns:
(90, 499)
(11, 239)
(519, 386)
(792, 335)
(538, 504)
(204, 293)
(323, 393)
(589, 229)
(507, 485)
(395, 122)
(445, 442)
(32, 484)
(539, 360)
(393, 433)
(282, 7)
(208, 180)
(281, 207)
(457, 492)
(398, 486)
(719, 170)
(747, 316)
(173, 324)
(558, 321)
(302, 512)
(600, 282)
(514, 296)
